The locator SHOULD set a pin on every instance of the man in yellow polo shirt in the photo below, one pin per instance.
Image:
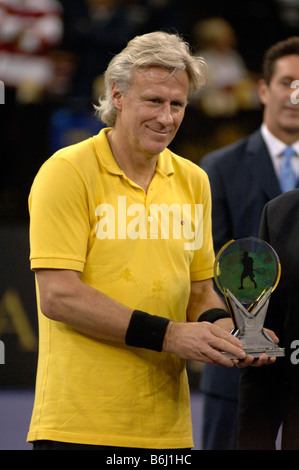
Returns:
(121, 246)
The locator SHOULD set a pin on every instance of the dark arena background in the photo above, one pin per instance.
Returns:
(51, 77)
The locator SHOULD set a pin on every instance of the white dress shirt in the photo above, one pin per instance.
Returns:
(276, 147)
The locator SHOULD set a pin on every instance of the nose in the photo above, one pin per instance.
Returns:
(165, 116)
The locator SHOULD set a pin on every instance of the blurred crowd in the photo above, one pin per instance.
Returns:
(59, 49)
(29, 33)
(53, 54)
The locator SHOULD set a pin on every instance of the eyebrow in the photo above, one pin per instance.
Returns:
(288, 77)
(156, 96)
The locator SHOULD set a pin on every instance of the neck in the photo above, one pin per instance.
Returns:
(136, 166)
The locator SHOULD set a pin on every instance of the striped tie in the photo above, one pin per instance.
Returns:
(288, 178)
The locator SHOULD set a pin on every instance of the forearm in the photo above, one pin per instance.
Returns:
(203, 297)
(65, 298)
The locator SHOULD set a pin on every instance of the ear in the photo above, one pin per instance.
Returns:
(263, 90)
(116, 96)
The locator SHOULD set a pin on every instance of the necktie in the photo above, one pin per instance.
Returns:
(288, 178)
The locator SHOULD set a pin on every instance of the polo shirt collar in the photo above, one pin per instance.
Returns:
(164, 164)
(104, 152)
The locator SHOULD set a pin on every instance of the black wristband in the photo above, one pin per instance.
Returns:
(213, 314)
(146, 331)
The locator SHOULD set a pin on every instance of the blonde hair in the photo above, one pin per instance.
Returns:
(158, 48)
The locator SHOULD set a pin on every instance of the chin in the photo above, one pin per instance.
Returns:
(157, 148)
(291, 127)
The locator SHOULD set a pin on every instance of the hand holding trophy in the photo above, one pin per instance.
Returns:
(247, 271)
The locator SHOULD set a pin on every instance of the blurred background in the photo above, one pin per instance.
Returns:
(52, 57)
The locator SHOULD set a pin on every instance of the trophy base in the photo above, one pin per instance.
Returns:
(249, 328)
(256, 352)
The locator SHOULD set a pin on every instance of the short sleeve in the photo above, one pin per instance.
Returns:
(59, 220)
(202, 266)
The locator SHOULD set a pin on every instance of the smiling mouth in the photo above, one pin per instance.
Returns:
(291, 108)
(292, 112)
(162, 132)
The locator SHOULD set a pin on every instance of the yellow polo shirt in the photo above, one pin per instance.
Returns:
(142, 249)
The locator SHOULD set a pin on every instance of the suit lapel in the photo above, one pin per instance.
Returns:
(259, 161)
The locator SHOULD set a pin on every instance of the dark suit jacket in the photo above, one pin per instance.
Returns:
(269, 395)
(242, 181)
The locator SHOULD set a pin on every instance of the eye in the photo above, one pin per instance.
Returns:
(154, 100)
(286, 82)
(177, 104)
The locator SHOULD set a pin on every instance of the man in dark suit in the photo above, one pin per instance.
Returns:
(244, 177)
(270, 398)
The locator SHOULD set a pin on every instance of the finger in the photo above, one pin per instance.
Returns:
(272, 335)
(262, 360)
(215, 357)
(215, 354)
(221, 333)
(248, 361)
(225, 342)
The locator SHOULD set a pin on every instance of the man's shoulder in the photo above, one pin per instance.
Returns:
(231, 153)
(75, 150)
(68, 163)
(187, 167)
(284, 202)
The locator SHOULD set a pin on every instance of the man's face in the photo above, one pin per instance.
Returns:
(152, 111)
(280, 114)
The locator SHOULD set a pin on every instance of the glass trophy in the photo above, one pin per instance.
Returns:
(247, 271)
